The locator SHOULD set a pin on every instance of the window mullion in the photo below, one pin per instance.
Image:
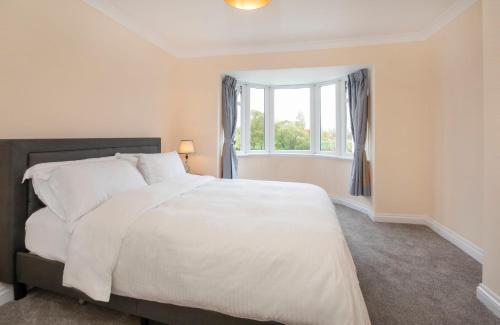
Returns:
(243, 119)
(312, 119)
(269, 118)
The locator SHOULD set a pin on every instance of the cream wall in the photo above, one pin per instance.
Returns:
(456, 70)
(402, 149)
(465, 70)
(67, 70)
(491, 75)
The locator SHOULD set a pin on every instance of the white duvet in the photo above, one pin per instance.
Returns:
(251, 249)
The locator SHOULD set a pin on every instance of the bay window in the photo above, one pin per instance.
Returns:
(300, 119)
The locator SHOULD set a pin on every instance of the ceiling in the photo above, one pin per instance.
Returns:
(210, 27)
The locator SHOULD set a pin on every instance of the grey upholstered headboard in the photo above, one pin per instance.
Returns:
(18, 201)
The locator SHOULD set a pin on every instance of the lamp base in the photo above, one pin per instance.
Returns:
(186, 165)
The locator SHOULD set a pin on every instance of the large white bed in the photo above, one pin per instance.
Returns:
(252, 249)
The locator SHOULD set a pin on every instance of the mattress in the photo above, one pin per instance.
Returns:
(47, 235)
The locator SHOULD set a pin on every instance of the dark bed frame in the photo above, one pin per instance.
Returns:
(18, 201)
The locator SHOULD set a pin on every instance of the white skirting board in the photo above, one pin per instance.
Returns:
(6, 293)
(355, 205)
(466, 245)
(402, 218)
(488, 298)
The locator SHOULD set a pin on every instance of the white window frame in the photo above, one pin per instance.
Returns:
(246, 104)
(315, 118)
(243, 130)
(335, 152)
(344, 122)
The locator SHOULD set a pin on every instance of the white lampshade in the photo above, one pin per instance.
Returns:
(248, 4)
(186, 146)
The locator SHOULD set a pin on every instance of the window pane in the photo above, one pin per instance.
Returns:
(237, 136)
(292, 125)
(328, 118)
(349, 145)
(257, 121)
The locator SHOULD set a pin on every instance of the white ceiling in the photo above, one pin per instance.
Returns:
(298, 76)
(189, 28)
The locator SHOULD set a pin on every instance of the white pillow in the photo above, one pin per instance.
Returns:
(47, 196)
(159, 167)
(75, 189)
(40, 173)
(44, 170)
(130, 157)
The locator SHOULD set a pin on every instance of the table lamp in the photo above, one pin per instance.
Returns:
(186, 147)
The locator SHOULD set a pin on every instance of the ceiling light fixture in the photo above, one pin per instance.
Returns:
(248, 4)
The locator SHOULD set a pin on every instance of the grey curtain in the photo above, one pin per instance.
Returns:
(229, 117)
(358, 89)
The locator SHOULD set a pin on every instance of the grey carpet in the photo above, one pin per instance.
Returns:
(408, 275)
(44, 308)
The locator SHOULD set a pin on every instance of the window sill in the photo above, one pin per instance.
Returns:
(293, 155)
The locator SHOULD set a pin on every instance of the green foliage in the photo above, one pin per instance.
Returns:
(290, 135)
(257, 124)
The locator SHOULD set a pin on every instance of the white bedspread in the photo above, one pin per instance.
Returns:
(251, 249)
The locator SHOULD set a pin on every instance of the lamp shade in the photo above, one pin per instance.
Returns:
(186, 146)
(247, 4)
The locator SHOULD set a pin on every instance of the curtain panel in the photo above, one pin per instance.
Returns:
(358, 89)
(229, 118)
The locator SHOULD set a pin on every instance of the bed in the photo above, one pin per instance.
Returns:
(195, 250)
